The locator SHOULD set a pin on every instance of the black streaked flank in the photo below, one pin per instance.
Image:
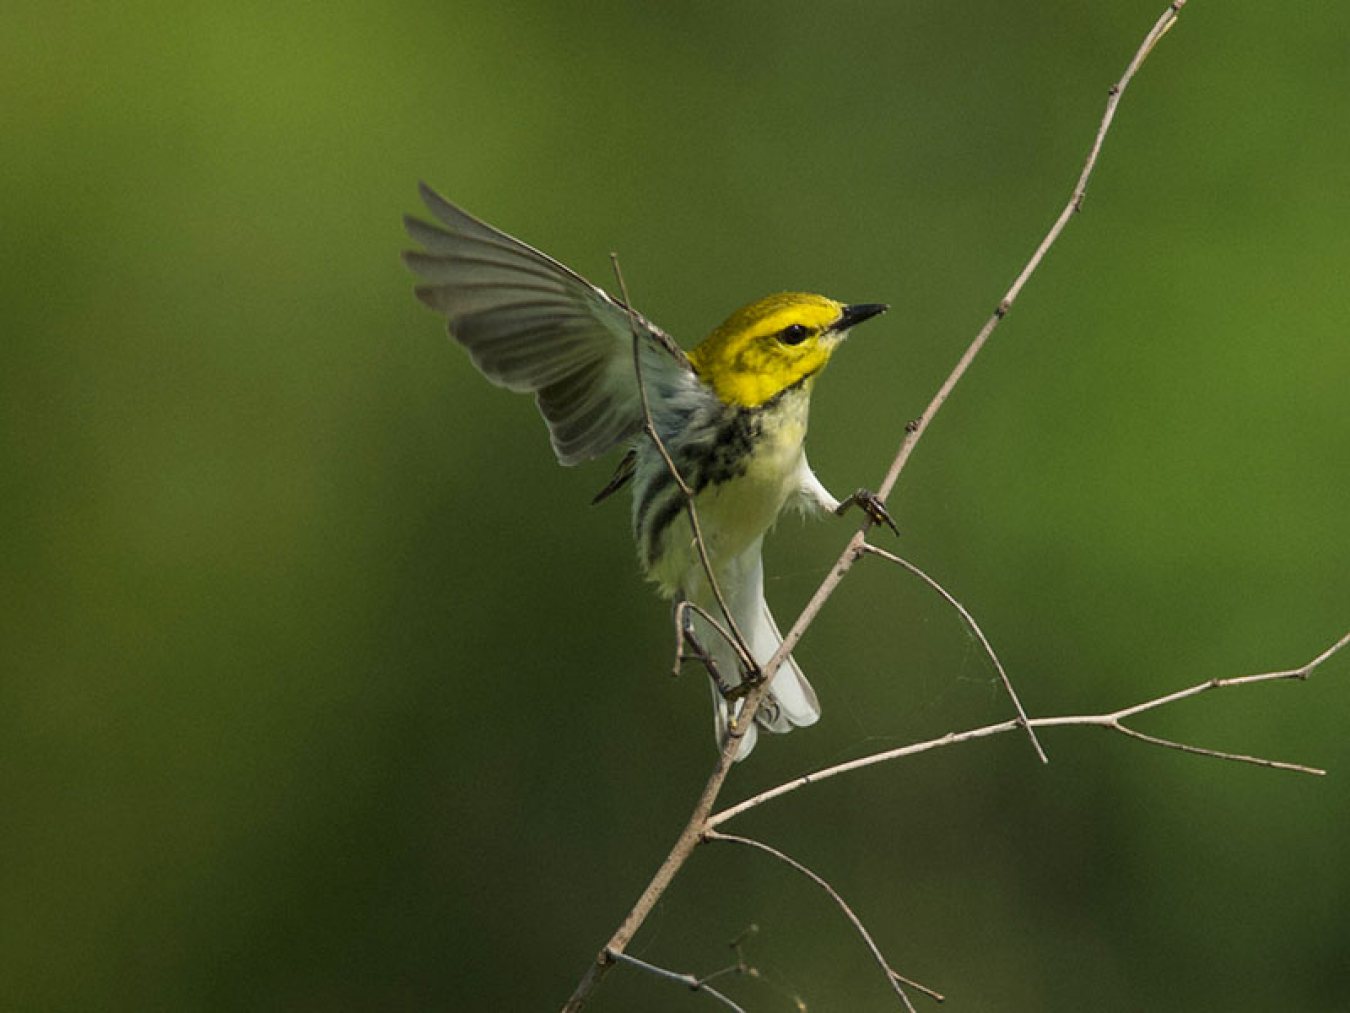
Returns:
(654, 490)
(665, 517)
(723, 458)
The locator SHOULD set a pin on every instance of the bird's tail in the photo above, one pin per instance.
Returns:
(791, 702)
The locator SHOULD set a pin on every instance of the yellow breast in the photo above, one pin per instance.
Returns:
(737, 512)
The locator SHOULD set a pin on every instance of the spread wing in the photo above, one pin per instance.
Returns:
(531, 324)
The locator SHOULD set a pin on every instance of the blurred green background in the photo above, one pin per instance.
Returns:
(321, 686)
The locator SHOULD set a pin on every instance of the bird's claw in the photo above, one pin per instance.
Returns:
(869, 503)
(731, 692)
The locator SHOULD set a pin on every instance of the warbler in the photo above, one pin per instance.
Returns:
(731, 413)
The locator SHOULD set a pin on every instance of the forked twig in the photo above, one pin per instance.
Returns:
(974, 628)
(893, 977)
(742, 966)
(1113, 721)
(687, 980)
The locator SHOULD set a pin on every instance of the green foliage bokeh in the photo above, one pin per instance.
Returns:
(322, 688)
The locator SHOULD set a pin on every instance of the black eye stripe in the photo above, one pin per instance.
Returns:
(794, 334)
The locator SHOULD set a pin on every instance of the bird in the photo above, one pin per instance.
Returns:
(731, 417)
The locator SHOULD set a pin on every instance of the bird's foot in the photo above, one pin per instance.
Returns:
(705, 658)
(742, 689)
(699, 651)
(691, 645)
(869, 503)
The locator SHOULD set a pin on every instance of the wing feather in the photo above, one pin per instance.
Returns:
(530, 324)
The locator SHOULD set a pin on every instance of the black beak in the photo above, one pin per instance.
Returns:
(858, 312)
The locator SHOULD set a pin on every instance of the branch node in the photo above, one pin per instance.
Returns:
(918, 986)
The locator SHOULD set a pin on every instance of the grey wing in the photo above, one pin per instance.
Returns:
(530, 324)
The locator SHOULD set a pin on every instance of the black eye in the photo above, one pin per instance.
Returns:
(794, 334)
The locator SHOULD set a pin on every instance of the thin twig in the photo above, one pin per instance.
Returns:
(698, 819)
(687, 980)
(1217, 754)
(974, 628)
(1113, 721)
(893, 979)
(649, 428)
(742, 966)
(914, 432)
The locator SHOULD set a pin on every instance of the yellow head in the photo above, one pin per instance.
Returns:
(766, 347)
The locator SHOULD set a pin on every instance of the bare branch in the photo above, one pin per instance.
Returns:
(679, 854)
(687, 980)
(1217, 754)
(1302, 672)
(914, 432)
(979, 635)
(1113, 721)
(699, 817)
(893, 979)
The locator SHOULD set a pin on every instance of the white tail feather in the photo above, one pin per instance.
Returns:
(791, 702)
